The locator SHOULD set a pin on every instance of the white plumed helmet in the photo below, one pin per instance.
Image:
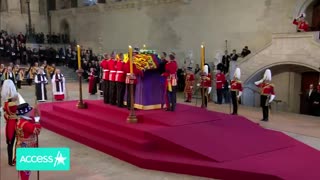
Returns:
(237, 73)
(8, 90)
(267, 75)
(206, 69)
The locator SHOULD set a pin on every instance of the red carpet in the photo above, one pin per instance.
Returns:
(191, 141)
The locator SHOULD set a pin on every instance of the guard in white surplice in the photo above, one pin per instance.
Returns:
(58, 86)
(41, 81)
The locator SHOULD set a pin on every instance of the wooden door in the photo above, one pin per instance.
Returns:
(307, 79)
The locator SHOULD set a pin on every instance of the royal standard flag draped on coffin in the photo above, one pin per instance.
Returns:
(144, 61)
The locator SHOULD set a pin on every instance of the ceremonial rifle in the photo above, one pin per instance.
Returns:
(37, 114)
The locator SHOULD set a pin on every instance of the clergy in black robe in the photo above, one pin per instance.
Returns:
(58, 86)
(40, 81)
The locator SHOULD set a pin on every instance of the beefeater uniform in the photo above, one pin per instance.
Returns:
(105, 86)
(171, 75)
(120, 82)
(27, 131)
(11, 118)
(189, 83)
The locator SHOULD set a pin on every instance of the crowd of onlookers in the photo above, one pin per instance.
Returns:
(53, 38)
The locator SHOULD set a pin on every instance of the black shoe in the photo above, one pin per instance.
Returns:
(234, 113)
(264, 119)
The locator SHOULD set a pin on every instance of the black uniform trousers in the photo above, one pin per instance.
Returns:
(19, 84)
(219, 95)
(234, 102)
(204, 92)
(172, 98)
(113, 92)
(10, 149)
(105, 88)
(128, 94)
(120, 93)
(265, 107)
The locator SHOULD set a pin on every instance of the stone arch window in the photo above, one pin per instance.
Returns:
(4, 5)
(65, 31)
(23, 7)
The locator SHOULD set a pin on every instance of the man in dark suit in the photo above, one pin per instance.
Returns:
(310, 93)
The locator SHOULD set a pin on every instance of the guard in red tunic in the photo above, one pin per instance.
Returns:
(105, 76)
(301, 23)
(112, 79)
(236, 90)
(188, 89)
(206, 84)
(120, 80)
(131, 79)
(267, 93)
(171, 74)
(27, 129)
(220, 82)
(10, 107)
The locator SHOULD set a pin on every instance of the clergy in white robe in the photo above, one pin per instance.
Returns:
(58, 86)
(41, 81)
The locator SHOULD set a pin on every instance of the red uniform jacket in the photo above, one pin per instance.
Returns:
(113, 70)
(171, 72)
(236, 85)
(26, 132)
(302, 26)
(220, 80)
(105, 66)
(266, 89)
(136, 72)
(10, 116)
(207, 81)
(120, 75)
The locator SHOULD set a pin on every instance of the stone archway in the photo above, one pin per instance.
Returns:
(290, 82)
(290, 55)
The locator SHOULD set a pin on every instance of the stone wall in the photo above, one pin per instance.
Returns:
(179, 25)
(14, 21)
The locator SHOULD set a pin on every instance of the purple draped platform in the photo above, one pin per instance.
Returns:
(149, 91)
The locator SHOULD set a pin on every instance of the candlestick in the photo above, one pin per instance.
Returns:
(79, 57)
(131, 59)
(202, 57)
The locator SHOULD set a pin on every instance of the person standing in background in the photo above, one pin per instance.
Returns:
(188, 89)
(220, 81)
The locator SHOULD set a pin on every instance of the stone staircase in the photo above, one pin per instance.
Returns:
(69, 74)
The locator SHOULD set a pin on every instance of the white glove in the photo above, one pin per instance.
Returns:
(191, 87)
(258, 82)
(209, 89)
(37, 119)
(271, 98)
(239, 95)
(229, 86)
(198, 84)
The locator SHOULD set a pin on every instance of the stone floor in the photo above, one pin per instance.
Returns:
(89, 164)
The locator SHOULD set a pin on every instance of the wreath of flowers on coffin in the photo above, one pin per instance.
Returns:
(145, 60)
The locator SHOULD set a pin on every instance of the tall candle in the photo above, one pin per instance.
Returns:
(202, 57)
(79, 56)
(131, 59)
